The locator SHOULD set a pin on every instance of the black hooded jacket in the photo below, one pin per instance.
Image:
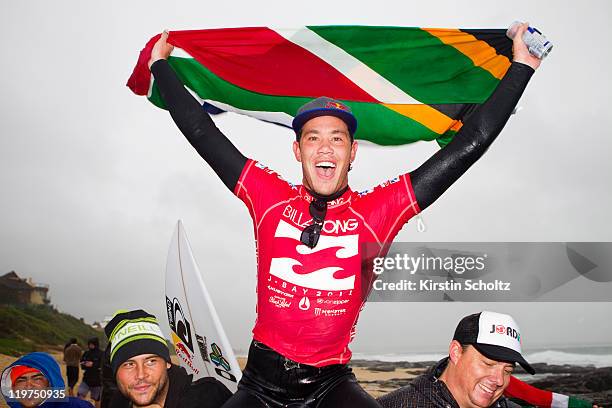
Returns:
(92, 375)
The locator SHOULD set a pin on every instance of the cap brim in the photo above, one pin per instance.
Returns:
(500, 353)
(347, 117)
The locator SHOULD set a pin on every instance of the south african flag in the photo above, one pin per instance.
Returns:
(403, 84)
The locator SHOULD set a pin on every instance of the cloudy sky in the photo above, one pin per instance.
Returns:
(94, 178)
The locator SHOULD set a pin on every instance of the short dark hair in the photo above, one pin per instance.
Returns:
(298, 135)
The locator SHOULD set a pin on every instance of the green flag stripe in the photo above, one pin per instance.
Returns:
(575, 402)
(408, 56)
(377, 123)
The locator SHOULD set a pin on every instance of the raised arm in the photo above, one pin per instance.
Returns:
(197, 126)
(441, 170)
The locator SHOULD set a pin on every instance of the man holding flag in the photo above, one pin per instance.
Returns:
(313, 274)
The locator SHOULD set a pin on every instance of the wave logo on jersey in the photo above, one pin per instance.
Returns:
(331, 265)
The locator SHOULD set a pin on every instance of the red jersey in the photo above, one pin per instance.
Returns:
(308, 300)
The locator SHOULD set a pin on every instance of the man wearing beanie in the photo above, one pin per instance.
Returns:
(481, 358)
(38, 376)
(145, 377)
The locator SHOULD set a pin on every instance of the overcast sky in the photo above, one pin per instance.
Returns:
(93, 178)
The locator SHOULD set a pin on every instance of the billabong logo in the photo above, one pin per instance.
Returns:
(330, 266)
(303, 220)
(508, 331)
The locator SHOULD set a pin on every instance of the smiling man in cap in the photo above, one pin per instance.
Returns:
(481, 359)
(325, 164)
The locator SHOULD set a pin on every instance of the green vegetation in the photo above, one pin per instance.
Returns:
(40, 327)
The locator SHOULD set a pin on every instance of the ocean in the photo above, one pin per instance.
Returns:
(596, 356)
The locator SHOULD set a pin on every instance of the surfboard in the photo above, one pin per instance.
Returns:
(199, 340)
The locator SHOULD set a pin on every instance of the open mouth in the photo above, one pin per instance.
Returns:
(325, 169)
(488, 391)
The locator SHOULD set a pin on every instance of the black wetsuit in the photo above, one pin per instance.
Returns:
(270, 380)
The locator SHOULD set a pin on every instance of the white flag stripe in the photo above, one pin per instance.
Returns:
(559, 401)
(275, 117)
(180, 53)
(362, 75)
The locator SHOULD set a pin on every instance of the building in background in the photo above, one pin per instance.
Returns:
(17, 290)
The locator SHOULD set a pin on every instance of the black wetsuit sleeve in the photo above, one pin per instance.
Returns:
(441, 170)
(197, 126)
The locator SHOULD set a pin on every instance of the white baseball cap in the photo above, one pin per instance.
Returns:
(495, 335)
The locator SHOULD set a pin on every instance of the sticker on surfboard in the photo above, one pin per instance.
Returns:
(199, 340)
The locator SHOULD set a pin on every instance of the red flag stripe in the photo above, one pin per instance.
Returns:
(140, 80)
(260, 60)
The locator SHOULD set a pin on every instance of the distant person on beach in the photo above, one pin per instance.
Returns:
(91, 363)
(72, 358)
(145, 376)
(481, 359)
(109, 385)
(35, 380)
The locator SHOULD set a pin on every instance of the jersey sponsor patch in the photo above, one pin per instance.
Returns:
(365, 192)
(268, 170)
(330, 266)
(389, 182)
(381, 185)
